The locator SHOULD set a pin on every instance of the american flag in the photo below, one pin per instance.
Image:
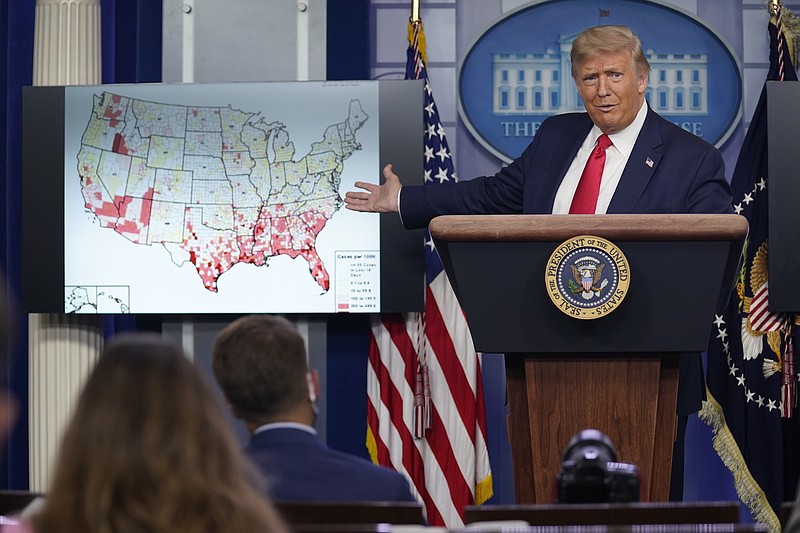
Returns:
(425, 411)
(751, 377)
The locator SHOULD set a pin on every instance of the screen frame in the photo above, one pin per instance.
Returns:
(402, 276)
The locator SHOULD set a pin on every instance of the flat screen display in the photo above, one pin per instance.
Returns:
(218, 198)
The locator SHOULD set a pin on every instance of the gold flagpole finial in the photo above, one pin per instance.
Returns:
(415, 11)
(788, 26)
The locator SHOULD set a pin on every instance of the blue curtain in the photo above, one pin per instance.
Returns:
(16, 24)
(131, 51)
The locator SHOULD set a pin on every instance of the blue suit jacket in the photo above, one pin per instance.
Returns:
(669, 171)
(298, 466)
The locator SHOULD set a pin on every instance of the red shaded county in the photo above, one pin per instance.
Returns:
(281, 239)
(212, 259)
(316, 221)
(129, 229)
(272, 236)
(106, 209)
(119, 145)
(147, 207)
(106, 212)
(125, 226)
(317, 269)
(290, 237)
(111, 113)
(128, 225)
(247, 251)
(262, 246)
(92, 194)
(262, 226)
(278, 229)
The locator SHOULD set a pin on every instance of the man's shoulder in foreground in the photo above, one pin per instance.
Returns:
(299, 466)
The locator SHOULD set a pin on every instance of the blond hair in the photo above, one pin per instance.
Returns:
(608, 39)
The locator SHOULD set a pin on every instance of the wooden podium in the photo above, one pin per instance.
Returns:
(617, 373)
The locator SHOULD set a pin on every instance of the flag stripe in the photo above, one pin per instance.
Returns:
(761, 318)
(449, 462)
(408, 460)
(441, 344)
(475, 423)
(401, 338)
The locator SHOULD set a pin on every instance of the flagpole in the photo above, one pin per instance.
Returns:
(415, 11)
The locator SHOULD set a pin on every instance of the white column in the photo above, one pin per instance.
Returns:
(187, 73)
(302, 41)
(66, 48)
(62, 348)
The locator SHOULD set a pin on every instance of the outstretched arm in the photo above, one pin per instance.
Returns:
(378, 198)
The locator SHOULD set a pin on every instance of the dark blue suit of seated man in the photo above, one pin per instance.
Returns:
(260, 364)
(304, 468)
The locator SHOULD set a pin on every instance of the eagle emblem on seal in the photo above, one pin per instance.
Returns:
(587, 273)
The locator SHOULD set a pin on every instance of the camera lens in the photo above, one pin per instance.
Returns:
(590, 472)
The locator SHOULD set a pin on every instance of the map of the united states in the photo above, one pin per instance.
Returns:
(215, 186)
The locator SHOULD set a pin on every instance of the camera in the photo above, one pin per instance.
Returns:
(590, 472)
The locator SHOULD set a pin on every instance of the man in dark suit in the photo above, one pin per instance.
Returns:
(651, 166)
(260, 364)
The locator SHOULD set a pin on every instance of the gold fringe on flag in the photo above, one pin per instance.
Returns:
(483, 490)
(372, 446)
(727, 449)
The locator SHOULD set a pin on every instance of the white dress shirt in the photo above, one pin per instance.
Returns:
(616, 158)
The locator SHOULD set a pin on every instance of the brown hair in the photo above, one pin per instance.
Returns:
(608, 38)
(148, 449)
(260, 364)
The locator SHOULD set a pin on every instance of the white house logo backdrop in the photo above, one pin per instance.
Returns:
(517, 73)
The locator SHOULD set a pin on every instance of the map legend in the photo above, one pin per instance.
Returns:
(358, 282)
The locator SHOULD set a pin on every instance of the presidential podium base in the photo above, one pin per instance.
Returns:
(618, 373)
(629, 397)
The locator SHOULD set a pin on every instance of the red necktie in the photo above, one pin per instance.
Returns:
(585, 199)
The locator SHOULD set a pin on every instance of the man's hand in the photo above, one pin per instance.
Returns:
(378, 198)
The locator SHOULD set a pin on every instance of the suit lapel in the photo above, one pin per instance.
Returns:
(563, 151)
(641, 165)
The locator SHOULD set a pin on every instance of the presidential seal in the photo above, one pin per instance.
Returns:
(587, 277)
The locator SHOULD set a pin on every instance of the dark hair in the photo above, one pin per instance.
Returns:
(608, 38)
(148, 449)
(260, 364)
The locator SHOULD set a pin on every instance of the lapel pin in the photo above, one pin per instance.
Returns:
(649, 162)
